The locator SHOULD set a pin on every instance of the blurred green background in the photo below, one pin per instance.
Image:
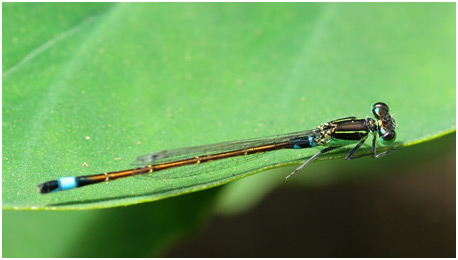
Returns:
(103, 83)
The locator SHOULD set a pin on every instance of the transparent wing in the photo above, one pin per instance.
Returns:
(203, 168)
(173, 155)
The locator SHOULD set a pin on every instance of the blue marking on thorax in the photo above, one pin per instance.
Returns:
(312, 143)
(67, 183)
(306, 142)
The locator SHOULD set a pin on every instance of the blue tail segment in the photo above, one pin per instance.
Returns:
(306, 142)
(65, 183)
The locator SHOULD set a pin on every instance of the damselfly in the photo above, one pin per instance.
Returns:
(331, 135)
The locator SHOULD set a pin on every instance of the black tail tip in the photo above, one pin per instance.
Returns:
(49, 186)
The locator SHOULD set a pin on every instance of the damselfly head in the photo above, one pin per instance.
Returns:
(387, 134)
(386, 123)
(379, 110)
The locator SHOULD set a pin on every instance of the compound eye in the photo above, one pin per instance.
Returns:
(379, 109)
(388, 137)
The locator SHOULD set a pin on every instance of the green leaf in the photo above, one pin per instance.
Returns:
(100, 84)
